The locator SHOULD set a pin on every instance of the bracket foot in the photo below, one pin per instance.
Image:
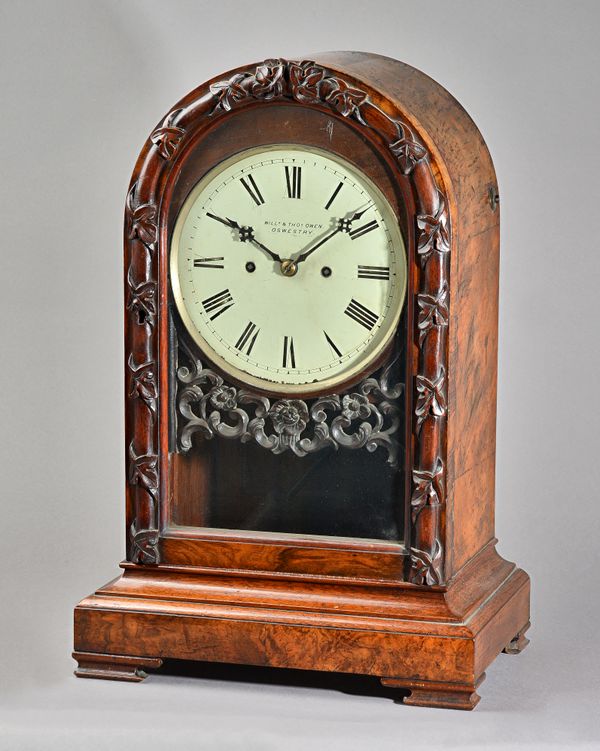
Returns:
(113, 667)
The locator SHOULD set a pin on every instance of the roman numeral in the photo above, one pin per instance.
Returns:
(332, 345)
(360, 231)
(373, 272)
(208, 263)
(293, 179)
(252, 189)
(217, 304)
(361, 314)
(246, 339)
(333, 195)
(289, 357)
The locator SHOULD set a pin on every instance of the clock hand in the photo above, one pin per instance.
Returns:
(246, 234)
(344, 225)
(304, 256)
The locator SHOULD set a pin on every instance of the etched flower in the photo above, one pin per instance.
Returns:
(344, 99)
(355, 406)
(268, 80)
(223, 397)
(289, 416)
(408, 152)
(305, 78)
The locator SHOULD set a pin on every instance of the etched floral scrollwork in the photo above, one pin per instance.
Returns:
(366, 418)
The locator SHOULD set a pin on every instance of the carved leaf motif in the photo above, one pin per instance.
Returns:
(425, 568)
(167, 137)
(229, 91)
(408, 151)
(305, 78)
(142, 221)
(434, 234)
(142, 383)
(346, 100)
(268, 80)
(433, 311)
(142, 301)
(432, 397)
(143, 470)
(428, 488)
(144, 546)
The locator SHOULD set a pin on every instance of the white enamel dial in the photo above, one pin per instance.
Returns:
(288, 269)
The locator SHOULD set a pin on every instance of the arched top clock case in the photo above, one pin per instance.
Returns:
(311, 441)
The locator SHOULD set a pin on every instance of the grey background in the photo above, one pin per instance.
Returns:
(82, 84)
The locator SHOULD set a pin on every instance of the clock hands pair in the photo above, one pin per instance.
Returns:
(288, 266)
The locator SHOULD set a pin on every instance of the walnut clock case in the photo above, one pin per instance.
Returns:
(311, 284)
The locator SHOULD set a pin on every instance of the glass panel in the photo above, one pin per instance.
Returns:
(343, 493)
(223, 483)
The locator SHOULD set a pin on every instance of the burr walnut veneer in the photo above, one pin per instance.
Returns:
(346, 528)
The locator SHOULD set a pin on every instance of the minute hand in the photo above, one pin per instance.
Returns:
(304, 256)
(343, 226)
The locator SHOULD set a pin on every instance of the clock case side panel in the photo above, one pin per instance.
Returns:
(465, 168)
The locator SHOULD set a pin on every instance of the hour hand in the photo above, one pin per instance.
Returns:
(231, 223)
(246, 234)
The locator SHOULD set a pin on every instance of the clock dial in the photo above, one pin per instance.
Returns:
(288, 269)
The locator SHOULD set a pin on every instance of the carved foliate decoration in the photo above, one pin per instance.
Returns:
(168, 136)
(141, 220)
(141, 233)
(365, 418)
(434, 233)
(432, 397)
(142, 383)
(433, 311)
(141, 301)
(297, 426)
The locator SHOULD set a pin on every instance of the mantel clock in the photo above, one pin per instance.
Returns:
(311, 281)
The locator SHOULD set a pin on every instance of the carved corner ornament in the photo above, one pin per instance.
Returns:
(366, 417)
